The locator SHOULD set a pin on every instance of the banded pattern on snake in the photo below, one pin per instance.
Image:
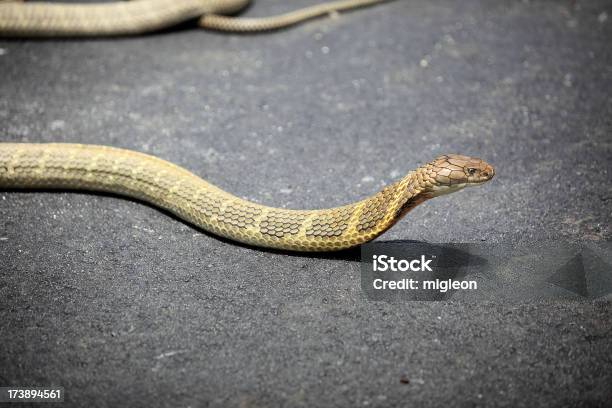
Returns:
(165, 185)
(46, 19)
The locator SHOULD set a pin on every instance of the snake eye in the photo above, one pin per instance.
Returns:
(471, 171)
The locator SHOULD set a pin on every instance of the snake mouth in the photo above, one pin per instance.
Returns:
(476, 183)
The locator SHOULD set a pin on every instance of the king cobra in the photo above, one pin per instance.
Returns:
(45, 19)
(165, 185)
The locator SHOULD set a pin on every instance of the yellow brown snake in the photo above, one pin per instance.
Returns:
(165, 185)
(158, 182)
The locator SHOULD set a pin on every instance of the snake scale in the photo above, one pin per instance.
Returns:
(165, 185)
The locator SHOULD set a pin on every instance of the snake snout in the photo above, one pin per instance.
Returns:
(488, 172)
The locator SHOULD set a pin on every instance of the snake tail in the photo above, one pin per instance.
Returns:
(50, 19)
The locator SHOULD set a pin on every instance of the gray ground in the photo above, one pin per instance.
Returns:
(119, 302)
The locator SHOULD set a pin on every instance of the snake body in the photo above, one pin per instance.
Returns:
(44, 19)
(165, 185)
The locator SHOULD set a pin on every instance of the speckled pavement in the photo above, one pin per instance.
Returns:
(123, 304)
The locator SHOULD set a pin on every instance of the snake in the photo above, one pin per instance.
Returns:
(175, 189)
(49, 19)
(170, 187)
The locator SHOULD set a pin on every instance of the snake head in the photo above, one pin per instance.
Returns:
(452, 172)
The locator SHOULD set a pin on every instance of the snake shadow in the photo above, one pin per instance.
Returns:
(450, 253)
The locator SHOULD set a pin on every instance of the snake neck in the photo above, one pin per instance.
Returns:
(395, 200)
(412, 191)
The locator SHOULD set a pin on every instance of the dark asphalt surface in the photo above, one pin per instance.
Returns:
(122, 304)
